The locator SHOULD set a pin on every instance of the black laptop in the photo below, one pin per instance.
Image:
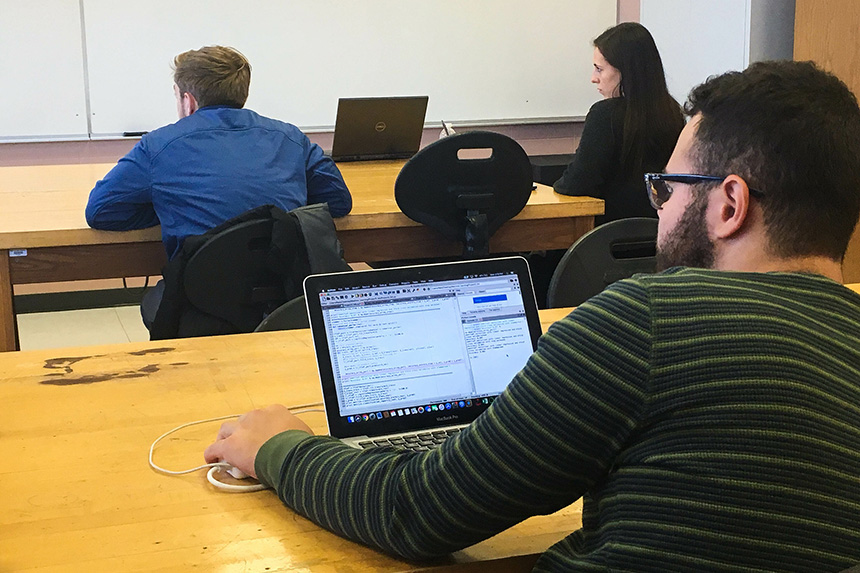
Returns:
(408, 356)
(378, 128)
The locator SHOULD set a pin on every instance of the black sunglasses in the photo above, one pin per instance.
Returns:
(656, 185)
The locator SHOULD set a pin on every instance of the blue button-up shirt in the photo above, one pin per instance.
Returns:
(193, 175)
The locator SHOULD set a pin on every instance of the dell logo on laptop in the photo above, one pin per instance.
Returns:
(380, 126)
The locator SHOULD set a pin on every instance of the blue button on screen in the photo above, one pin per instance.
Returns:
(491, 298)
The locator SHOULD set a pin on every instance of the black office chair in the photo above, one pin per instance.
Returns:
(613, 251)
(229, 279)
(291, 315)
(228, 276)
(466, 199)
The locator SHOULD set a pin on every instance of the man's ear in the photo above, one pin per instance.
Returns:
(189, 102)
(732, 201)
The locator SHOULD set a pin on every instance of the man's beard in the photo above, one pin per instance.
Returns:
(689, 244)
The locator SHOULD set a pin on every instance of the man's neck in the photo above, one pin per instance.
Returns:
(755, 263)
(751, 252)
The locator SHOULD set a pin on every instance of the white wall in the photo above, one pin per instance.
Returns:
(700, 38)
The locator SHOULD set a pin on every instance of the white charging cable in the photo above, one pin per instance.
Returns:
(238, 474)
(214, 467)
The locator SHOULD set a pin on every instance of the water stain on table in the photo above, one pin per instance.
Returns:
(65, 364)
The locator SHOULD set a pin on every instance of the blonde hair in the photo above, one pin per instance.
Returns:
(214, 75)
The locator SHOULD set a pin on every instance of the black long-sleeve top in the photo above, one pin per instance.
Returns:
(597, 170)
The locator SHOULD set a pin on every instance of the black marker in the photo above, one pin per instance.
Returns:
(134, 133)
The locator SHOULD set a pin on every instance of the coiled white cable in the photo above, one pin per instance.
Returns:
(234, 488)
(214, 467)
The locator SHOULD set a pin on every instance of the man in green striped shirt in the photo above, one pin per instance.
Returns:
(709, 415)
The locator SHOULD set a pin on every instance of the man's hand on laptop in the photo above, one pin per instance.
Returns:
(238, 441)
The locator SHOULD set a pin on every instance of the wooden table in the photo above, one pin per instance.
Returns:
(78, 494)
(44, 236)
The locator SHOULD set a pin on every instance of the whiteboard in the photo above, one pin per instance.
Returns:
(42, 70)
(478, 60)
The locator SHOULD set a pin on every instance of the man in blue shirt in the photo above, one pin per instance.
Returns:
(216, 162)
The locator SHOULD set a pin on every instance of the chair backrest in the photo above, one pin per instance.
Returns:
(613, 251)
(291, 315)
(228, 279)
(466, 186)
(228, 276)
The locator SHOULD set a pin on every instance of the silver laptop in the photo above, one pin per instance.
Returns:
(378, 128)
(408, 356)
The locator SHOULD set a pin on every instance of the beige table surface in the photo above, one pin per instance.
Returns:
(78, 494)
(44, 236)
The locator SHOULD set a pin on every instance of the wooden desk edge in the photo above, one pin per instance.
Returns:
(566, 208)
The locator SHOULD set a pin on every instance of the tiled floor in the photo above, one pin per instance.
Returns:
(81, 327)
(87, 327)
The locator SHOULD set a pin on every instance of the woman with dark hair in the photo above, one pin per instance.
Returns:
(632, 131)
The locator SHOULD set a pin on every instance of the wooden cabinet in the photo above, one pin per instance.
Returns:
(828, 32)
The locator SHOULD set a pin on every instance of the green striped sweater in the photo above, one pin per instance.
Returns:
(710, 420)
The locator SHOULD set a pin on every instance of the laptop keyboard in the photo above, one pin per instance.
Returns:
(418, 442)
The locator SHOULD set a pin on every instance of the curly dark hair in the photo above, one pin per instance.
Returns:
(792, 131)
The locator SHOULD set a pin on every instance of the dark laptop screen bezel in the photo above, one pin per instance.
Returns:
(355, 131)
(315, 284)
